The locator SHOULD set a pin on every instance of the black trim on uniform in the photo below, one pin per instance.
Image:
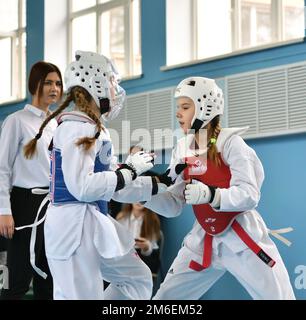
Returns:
(120, 181)
(213, 192)
(126, 166)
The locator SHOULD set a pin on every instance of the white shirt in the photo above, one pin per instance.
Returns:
(242, 195)
(15, 170)
(133, 224)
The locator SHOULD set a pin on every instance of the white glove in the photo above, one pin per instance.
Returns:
(197, 193)
(140, 162)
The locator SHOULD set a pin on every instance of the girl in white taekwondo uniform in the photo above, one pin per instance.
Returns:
(18, 179)
(223, 184)
(83, 244)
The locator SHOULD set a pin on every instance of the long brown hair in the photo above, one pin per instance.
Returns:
(82, 100)
(38, 74)
(150, 228)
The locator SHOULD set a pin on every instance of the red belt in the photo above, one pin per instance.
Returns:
(243, 236)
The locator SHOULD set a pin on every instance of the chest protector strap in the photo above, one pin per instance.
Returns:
(214, 222)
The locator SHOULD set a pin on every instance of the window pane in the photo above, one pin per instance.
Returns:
(18, 74)
(84, 38)
(214, 28)
(256, 23)
(77, 5)
(179, 30)
(136, 38)
(294, 21)
(23, 64)
(23, 18)
(8, 15)
(246, 27)
(112, 37)
(5, 67)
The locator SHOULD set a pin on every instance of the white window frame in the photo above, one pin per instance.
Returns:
(277, 13)
(18, 91)
(99, 8)
(277, 30)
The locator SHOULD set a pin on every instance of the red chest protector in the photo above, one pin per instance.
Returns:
(213, 222)
(216, 222)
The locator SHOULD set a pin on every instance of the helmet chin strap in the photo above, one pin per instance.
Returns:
(197, 125)
(104, 105)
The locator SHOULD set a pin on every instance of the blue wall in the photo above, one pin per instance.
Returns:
(283, 158)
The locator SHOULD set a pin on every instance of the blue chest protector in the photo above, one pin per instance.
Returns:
(59, 191)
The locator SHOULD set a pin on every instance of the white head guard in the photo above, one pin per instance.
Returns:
(98, 75)
(207, 97)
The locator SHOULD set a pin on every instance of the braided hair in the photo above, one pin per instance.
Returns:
(214, 129)
(29, 149)
(82, 100)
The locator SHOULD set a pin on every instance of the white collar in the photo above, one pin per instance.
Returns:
(74, 116)
(185, 144)
(134, 218)
(226, 133)
(38, 112)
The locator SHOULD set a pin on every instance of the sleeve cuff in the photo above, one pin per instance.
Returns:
(112, 183)
(5, 212)
(146, 185)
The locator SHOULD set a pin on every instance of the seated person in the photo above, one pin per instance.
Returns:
(144, 224)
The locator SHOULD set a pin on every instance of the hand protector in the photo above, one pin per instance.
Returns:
(197, 192)
(168, 178)
(140, 162)
(125, 175)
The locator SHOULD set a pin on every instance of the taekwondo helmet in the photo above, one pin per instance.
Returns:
(98, 75)
(207, 97)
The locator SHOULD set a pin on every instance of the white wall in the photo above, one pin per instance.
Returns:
(56, 33)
